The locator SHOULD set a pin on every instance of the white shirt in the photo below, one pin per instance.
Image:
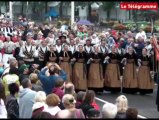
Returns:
(95, 41)
(141, 34)
(58, 48)
(9, 46)
(88, 49)
(21, 54)
(72, 48)
(3, 111)
(53, 110)
(1, 44)
(44, 49)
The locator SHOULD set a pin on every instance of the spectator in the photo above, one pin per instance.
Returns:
(49, 81)
(87, 103)
(40, 97)
(13, 63)
(26, 99)
(34, 79)
(39, 104)
(24, 70)
(1, 69)
(12, 77)
(109, 110)
(69, 89)
(52, 101)
(3, 111)
(131, 113)
(142, 34)
(12, 105)
(122, 106)
(42, 115)
(64, 114)
(69, 102)
(58, 89)
(139, 46)
(80, 98)
(93, 114)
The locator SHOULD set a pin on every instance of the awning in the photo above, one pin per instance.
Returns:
(52, 13)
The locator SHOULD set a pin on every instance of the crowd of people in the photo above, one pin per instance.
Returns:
(49, 72)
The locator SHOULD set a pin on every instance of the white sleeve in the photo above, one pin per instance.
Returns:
(21, 52)
(137, 35)
(1, 45)
(36, 51)
(3, 111)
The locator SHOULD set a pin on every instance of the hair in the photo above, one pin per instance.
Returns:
(59, 82)
(132, 113)
(68, 100)
(33, 77)
(25, 82)
(69, 88)
(42, 114)
(52, 100)
(13, 70)
(40, 96)
(13, 88)
(2, 92)
(93, 113)
(109, 110)
(12, 62)
(89, 97)
(80, 96)
(122, 103)
(52, 70)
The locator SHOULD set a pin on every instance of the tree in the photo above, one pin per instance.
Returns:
(107, 6)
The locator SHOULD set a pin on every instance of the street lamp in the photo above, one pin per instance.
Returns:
(10, 11)
(116, 6)
(72, 13)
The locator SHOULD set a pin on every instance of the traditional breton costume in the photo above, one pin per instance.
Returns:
(28, 54)
(79, 71)
(65, 63)
(104, 51)
(41, 54)
(145, 82)
(51, 56)
(130, 83)
(88, 50)
(72, 48)
(95, 74)
(112, 73)
(9, 46)
(58, 49)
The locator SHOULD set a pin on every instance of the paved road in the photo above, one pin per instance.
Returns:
(144, 103)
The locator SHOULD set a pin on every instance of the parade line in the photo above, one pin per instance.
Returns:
(139, 116)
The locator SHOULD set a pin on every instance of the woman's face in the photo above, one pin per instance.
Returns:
(144, 51)
(66, 48)
(96, 49)
(130, 50)
(113, 49)
(80, 48)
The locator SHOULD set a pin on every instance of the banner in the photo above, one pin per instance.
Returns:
(156, 48)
